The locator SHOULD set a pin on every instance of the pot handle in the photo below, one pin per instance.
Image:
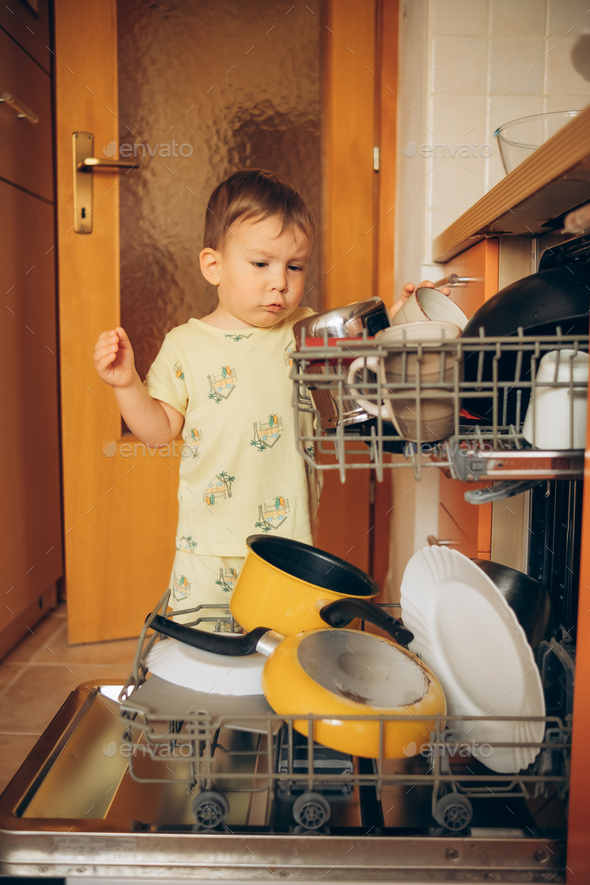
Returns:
(239, 646)
(342, 611)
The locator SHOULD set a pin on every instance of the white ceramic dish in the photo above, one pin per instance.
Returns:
(204, 671)
(437, 411)
(554, 409)
(469, 636)
(440, 307)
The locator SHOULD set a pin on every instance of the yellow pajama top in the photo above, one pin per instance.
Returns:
(240, 472)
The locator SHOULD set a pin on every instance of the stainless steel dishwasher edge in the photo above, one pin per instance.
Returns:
(110, 832)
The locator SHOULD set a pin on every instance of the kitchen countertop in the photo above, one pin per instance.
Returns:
(533, 198)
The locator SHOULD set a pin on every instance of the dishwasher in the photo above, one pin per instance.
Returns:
(151, 780)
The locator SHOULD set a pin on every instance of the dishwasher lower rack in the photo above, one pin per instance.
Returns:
(287, 765)
(73, 811)
(281, 760)
(498, 375)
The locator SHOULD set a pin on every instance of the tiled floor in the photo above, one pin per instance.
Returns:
(37, 677)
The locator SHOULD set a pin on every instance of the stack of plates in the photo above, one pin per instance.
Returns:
(469, 636)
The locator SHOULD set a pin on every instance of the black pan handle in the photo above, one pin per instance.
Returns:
(240, 646)
(342, 611)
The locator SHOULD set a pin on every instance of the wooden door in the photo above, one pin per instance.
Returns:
(120, 514)
(117, 513)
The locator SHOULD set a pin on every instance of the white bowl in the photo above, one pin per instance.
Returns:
(429, 304)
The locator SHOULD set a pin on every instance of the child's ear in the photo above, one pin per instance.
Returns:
(210, 261)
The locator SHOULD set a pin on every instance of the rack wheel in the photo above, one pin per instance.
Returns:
(210, 809)
(311, 810)
(453, 811)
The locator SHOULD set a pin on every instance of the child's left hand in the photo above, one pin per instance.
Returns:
(409, 289)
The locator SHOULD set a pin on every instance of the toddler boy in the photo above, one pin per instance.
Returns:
(224, 381)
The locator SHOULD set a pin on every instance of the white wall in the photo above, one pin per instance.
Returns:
(466, 66)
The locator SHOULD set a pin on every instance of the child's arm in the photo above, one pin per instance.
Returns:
(152, 421)
(408, 290)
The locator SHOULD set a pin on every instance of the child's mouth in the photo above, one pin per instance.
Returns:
(274, 308)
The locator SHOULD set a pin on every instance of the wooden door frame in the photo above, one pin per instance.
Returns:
(360, 113)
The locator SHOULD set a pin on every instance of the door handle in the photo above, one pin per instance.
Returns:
(22, 110)
(90, 163)
(84, 162)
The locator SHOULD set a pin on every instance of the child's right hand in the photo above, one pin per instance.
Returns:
(113, 358)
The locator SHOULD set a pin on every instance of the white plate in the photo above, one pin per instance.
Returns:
(469, 636)
(204, 671)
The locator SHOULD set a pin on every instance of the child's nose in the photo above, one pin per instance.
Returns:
(280, 279)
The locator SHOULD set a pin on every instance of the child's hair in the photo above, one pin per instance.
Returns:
(254, 193)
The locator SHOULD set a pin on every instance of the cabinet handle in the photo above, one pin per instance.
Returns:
(434, 542)
(90, 163)
(454, 280)
(22, 110)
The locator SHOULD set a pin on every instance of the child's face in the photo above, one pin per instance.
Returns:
(260, 273)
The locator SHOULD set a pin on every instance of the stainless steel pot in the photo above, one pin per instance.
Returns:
(348, 321)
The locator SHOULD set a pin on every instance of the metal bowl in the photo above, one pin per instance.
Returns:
(348, 321)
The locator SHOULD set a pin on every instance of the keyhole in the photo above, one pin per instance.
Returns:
(83, 212)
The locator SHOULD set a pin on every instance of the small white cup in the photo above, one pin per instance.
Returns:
(429, 304)
(436, 412)
(553, 405)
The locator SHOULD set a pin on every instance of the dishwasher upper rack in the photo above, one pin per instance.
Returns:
(323, 364)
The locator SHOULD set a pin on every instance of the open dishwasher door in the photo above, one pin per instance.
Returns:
(86, 803)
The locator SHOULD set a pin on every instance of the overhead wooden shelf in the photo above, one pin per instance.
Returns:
(533, 198)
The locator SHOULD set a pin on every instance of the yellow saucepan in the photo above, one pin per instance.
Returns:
(284, 584)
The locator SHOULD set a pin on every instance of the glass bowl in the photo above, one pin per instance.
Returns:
(519, 138)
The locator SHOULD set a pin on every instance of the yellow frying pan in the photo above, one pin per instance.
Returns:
(333, 673)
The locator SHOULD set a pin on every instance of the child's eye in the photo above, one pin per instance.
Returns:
(295, 267)
(259, 263)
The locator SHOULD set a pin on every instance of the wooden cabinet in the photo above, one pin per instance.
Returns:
(474, 521)
(26, 149)
(578, 853)
(30, 504)
(28, 23)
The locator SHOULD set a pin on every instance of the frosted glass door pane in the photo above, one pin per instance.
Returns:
(206, 88)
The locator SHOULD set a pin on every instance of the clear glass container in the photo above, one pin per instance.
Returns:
(519, 138)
